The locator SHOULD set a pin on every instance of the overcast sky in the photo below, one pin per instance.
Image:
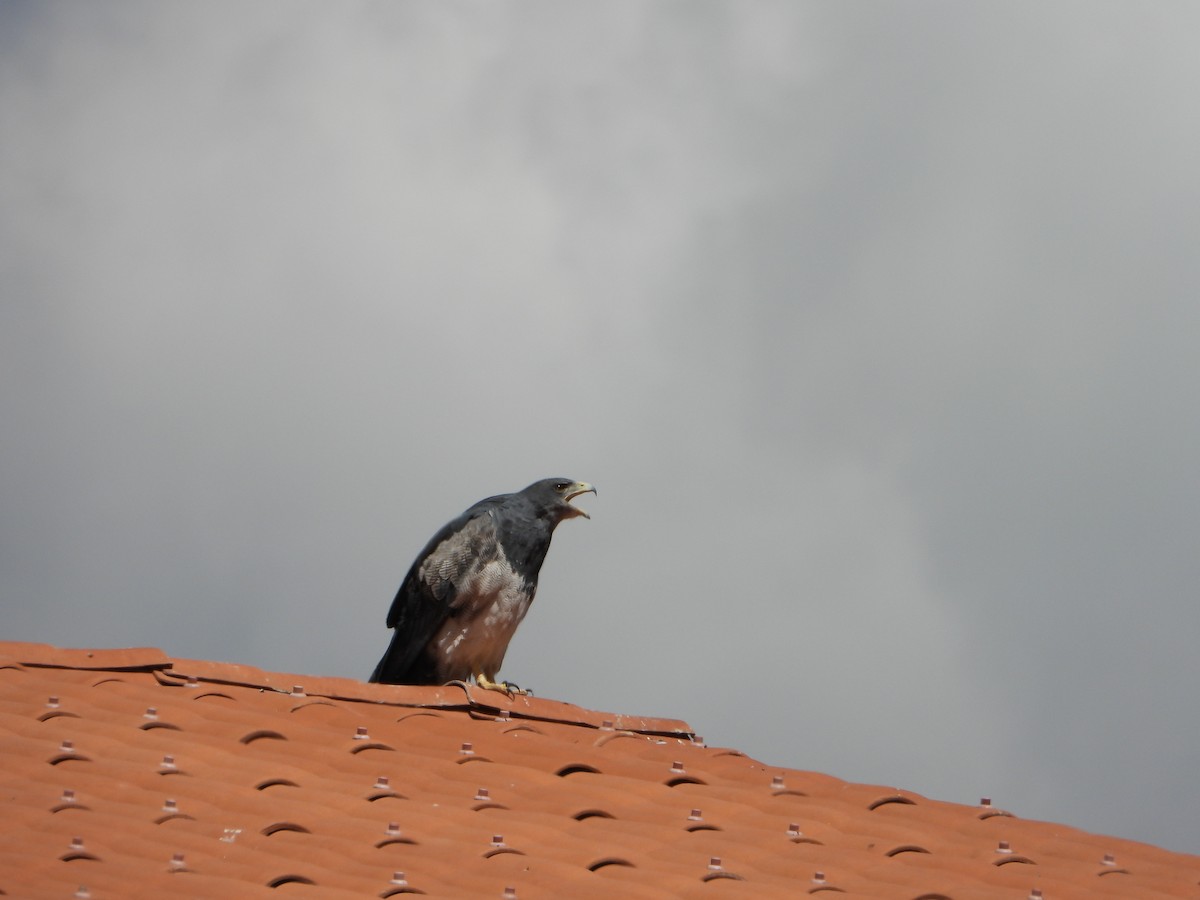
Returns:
(876, 325)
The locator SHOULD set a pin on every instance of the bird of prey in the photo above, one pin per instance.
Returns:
(462, 600)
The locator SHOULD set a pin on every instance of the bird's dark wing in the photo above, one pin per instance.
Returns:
(430, 592)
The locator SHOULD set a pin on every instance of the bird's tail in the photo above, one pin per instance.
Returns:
(385, 671)
(398, 665)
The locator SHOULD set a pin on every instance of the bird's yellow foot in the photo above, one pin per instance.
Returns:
(488, 685)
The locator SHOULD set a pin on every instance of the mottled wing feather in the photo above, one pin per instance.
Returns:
(454, 562)
(430, 592)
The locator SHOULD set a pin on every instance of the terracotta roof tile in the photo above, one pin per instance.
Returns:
(131, 774)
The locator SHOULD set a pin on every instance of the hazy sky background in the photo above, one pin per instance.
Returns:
(876, 325)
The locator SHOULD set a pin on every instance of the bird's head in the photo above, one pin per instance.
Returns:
(555, 494)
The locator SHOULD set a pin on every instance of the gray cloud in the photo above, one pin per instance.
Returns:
(875, 327)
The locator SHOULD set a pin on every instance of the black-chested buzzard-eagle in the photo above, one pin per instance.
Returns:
(462, 600)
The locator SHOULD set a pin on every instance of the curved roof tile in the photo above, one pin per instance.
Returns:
(128, 773)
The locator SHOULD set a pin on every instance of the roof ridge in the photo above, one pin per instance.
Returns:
(456, 695)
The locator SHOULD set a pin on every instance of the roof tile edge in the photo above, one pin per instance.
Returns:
(117, 659)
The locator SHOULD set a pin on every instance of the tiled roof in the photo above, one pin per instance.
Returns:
(126, 773)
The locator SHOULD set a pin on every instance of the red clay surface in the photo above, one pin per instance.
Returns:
(128, 774)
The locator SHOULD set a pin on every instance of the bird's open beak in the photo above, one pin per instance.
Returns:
(580, 487)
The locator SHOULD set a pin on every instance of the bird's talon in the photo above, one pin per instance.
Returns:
(488, 685)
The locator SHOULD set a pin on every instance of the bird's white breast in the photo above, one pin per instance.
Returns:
(477, 637)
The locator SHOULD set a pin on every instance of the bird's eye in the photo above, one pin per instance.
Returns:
(562, 486)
